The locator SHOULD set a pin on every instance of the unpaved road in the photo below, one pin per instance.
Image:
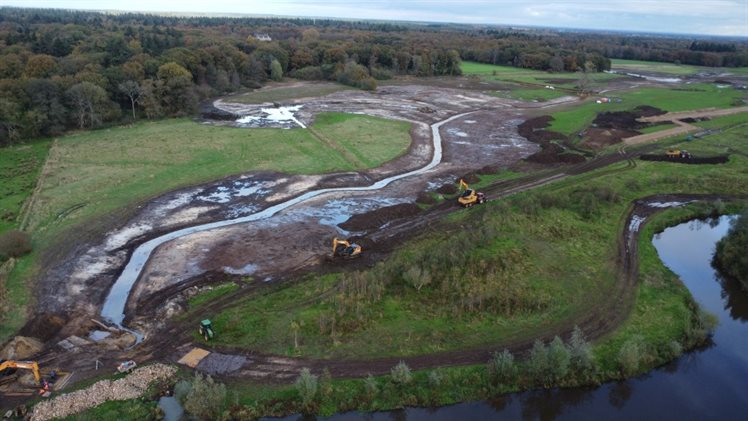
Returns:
(488, 136)
(683, 127)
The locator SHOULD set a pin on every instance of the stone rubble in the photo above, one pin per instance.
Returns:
(132, 386)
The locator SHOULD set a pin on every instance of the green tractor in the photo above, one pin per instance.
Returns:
(206, 330)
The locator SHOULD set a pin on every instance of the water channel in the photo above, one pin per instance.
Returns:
(708, 383)
(114, 305)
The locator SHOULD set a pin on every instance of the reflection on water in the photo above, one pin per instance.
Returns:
(707, 383)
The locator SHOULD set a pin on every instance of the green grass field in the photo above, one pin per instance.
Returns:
(528, 76)
(696, 96)
(19, 169)
(638, 66)
(98, 173)
(284, 93)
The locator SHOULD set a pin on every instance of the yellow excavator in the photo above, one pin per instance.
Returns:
(470, 197)
(345, 249)
(678, 154)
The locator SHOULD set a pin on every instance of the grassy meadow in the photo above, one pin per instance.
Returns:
(284, 93)
(97, 173)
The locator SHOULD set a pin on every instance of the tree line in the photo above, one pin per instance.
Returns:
(63, 69)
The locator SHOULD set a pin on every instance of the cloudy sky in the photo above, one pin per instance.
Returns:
(708, 17)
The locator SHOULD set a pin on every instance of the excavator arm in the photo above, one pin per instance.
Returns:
(464, 185)
(28, 365)
(336, 243)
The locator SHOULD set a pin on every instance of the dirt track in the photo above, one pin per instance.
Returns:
(487, 137)
(683, 127)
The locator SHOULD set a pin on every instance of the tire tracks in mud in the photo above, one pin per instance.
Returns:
(597, 321)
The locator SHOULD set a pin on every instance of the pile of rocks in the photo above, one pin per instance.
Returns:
(132, 386)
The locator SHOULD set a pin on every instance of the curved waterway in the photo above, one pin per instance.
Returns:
(114, 305)
(708, 383)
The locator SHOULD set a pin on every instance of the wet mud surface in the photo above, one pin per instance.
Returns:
(493, 135)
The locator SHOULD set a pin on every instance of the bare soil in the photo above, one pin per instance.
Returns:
(280, 250)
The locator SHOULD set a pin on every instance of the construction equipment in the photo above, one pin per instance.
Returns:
(28, 365)
(206, 330)
(345, 249)
(127, 366)
(678, 154)
(470, 197)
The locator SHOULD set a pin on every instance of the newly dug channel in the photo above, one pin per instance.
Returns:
(262, 230)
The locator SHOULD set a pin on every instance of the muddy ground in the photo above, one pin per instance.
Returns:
(492, 135)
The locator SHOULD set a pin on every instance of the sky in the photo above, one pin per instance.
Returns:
(703, 17)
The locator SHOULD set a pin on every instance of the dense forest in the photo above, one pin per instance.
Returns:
(74, 69)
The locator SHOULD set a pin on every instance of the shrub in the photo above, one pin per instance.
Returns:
(276, 71)
(581, 359)
(630, 356)
(14, 243)
(380, 73)
(435, 378)
(730, 256)
(206, 398)
(501, 368)
(371, 387)
(308, 73)
(181, 390)
(325, 383)
(558, 360)
(701, 327)
(367, 84)
(306, 385)
(401, 374)
(537, 366)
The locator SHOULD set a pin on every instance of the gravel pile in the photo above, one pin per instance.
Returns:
(132, 386)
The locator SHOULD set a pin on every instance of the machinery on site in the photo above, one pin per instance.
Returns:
(11, 367)
(126, 366)
(206, 330)
(470, 197)
(678, 154)
(345, 249)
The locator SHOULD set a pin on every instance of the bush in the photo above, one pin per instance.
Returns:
(630, 356)
(435, 378)
(14, 243)
(181, 390)
(558, 360)
(371, 387)
(401, 374)
(276, 71)
(206, 398)
(308, 73)
(581, 358)
(730, 256)
(381, 74)
(306, 385)
(537, 366)
(367, 84)
(501, 368)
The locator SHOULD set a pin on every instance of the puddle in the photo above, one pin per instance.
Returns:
(272, 115)
(667, 204)
(240, 188)
(652, 78)
(173, 411)
(98, 335)
(457, 132)
(246, 270)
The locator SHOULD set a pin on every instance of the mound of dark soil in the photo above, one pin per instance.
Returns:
(648, 111)
(719, 159)
(447, 189)
(208, 111)
(43, 326)
(469, 178)
(425, 198)
(379, 217)
(490, 169)
(550, 153)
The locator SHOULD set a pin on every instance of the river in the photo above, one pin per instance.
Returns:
(708, 383)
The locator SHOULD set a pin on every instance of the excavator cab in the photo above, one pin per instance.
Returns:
(345, 249)
(470, 197)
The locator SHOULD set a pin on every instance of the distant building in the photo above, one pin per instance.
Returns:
(262, 37)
